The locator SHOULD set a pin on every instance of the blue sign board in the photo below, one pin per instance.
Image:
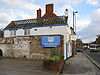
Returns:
(50, 41)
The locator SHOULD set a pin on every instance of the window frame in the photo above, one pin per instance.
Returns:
(26, 31)
(13, 32)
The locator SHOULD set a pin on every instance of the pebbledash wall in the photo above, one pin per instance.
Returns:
(24, 48)
(14, 47)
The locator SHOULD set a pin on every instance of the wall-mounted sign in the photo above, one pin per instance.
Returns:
(73, 37)
(69, 36)
(50, 41)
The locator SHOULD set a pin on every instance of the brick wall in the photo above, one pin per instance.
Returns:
(38, 52)
(27, 47)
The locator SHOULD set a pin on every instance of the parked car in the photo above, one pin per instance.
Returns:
(79, 50)
(85, 47)
(94, 48)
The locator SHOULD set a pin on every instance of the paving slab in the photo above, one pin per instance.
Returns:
(80, 65)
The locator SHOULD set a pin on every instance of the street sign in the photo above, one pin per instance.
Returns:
(50, 41)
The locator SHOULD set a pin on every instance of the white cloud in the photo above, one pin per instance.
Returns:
(93, 2)
(63, 1)
(81, 24)
(92, 29)
(98, 10)
(75, 1)
(19, 4)
(4, 19)
(89, 39)
(11, 15)
(25, 15)
(15, 10)
(96, 16)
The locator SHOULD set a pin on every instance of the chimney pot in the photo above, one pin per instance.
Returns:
(39, 13)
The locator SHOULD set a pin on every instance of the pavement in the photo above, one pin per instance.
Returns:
(78, 65)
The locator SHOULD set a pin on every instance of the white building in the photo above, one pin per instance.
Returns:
(49, 24)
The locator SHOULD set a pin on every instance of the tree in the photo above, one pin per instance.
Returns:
(79, 43)
(98, 39)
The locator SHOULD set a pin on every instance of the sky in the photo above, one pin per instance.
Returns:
(87, 18)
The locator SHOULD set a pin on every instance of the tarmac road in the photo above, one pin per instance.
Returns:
(94, 55)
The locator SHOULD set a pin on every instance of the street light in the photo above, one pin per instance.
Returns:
(74, 20)
(74, 24)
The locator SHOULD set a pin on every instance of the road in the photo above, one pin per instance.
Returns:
(94, 55)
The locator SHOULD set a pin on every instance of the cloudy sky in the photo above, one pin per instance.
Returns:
(88, 16)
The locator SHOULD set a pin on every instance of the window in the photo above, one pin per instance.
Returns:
(35, 29)
(50, 26)
(13, 32)
(26, 31)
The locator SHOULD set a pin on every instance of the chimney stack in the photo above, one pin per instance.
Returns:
(39, 13)
(49, 8)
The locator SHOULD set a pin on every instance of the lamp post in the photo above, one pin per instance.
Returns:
(74, 32)
(74, 20)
